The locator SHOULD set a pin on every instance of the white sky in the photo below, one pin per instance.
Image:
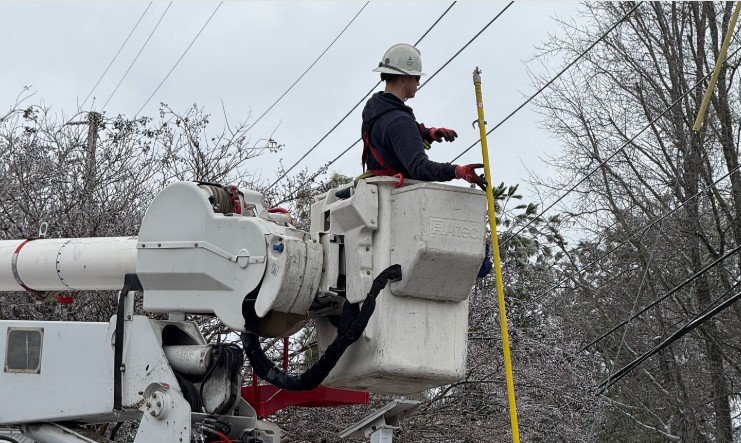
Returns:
(252, 51)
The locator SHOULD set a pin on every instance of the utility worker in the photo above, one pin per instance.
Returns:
(394, 142)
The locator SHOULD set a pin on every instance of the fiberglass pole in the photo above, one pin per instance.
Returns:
(497, 261)
(718, 65)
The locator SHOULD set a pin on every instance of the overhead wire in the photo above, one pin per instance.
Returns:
(638, 231)
(324, 168)
(672, 291)
(691, 325)
(611, 156)
(468, 43)
(117, 54)
(433, 25)
(179, 59)
(632, 309)
(131, 65)
(310, 66)
(547, 84)
(341, 154)
(286, 172)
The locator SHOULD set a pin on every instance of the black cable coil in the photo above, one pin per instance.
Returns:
(352, 324)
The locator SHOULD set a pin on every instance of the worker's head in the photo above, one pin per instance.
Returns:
(401, 68)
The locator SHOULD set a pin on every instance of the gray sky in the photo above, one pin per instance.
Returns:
(252, 51)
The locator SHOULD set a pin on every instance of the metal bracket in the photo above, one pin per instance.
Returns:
(380, 425)
(43, 229)
(165, 416)
(242, 257)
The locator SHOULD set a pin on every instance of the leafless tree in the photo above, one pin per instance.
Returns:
(622, 86)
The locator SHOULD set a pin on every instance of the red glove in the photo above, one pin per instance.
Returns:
(467, 173)
(437, 134)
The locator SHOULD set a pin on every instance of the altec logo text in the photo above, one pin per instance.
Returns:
(443, 227)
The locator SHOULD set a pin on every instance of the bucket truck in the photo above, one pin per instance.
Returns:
(411, 252)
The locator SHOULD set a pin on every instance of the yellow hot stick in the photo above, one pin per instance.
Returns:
(718, 64)
(497, 262)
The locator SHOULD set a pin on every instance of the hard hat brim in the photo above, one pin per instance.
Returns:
(385, 70)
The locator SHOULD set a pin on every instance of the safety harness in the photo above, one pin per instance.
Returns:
(385, 169)
(369, 150)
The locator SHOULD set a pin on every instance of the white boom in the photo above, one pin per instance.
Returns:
(66, 264)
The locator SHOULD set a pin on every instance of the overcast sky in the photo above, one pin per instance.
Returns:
(251, 51)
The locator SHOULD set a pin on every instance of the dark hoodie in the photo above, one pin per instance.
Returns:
(394, 133)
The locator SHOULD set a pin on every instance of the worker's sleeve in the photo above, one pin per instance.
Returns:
(403, 136)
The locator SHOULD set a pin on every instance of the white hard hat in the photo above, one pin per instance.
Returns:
(401, 59)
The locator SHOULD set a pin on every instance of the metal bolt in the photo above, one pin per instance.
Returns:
(154, 395)
(159, 245)
(159, 404)
(368, 272)
(149, 405)
(195, 244)
(373, 221)
(151, 413)
(367, 248)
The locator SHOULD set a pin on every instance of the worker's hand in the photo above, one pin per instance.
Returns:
(467, 173)
(437, 134)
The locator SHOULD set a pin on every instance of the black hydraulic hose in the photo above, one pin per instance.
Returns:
(118, 364)
(348, 333)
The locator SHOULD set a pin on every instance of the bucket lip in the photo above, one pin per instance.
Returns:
(411, 185)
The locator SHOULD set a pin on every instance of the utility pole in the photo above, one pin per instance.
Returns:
(93, 121)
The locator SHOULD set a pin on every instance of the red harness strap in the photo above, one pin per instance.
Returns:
(385, 170)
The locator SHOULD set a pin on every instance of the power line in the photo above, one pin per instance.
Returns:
(611, 156)
(692, 324)
(117, 53)
(324, 168)
(542, 88)
(137, 57)
(310, 66)
(286, 172)
(687, 281)
(637, 231)
(181, 57)
(434, 24)
(466, 45)
(632, 309)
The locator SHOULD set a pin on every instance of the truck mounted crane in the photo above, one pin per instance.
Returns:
(384, 273)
